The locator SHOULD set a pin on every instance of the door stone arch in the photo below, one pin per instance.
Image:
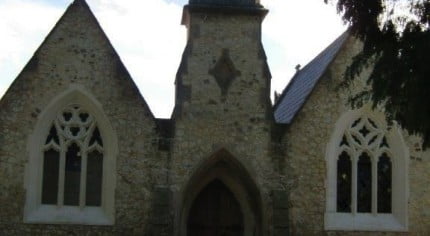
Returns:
(223, 167)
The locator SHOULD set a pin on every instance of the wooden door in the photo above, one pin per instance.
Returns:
(215, 212)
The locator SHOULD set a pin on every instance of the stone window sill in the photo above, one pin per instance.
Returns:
(363, 222)
(50, 214)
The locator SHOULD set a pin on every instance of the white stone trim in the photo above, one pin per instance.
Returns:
(34, 211)
(363, 221)
(68, 215)
(398, 219)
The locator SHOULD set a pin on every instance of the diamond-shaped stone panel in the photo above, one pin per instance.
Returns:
(224, 71)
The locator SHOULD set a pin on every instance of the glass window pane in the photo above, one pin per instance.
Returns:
(384, 184)
(94, 179)
(72, 176)
(344, 183)
(51, 162)
(364, 183)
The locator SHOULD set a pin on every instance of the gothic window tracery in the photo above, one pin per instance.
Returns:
(71, 171)
(73, 160)
(364, 148)
(367, 174)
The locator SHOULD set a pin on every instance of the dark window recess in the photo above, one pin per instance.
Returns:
(384, 143)
(72, 176)
(94, 179)
(371, 122)
(74, 131)
(364, 131)
(53, 135)
(51, 162)
(84, 117)
(372, 140)
(96, 137)
(344, 141)
(364, 183)
(67, 116)
(356, 139)
(384, 184)
(355, 123)
(344, 183)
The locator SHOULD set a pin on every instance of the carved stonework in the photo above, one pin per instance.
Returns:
(224, 72)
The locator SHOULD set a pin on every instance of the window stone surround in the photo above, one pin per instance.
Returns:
(398, 219)
(34, 211)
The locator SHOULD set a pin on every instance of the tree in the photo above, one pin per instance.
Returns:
(396, 41)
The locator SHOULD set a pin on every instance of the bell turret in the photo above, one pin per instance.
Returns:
(224, 66)
(228, 3)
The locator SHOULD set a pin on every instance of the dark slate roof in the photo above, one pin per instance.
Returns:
(235, 3)
(301, 85)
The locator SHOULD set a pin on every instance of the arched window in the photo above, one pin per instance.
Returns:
(71, 171)
(73, 160)
(367, 175)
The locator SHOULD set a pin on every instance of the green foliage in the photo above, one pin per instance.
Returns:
(398, 45)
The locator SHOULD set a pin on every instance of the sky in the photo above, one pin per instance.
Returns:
(149, 38)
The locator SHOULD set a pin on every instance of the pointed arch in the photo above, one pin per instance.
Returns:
(101, 210)
(223, 166)
(366, 160)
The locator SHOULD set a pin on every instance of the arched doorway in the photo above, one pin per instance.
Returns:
(220, 181)
(215, 212)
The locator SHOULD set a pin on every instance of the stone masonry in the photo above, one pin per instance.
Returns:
(222, 128)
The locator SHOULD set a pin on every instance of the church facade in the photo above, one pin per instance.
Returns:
(82, 154)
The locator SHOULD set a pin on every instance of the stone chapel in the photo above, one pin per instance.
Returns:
(82, 154)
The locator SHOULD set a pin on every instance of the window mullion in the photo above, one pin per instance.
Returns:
(61, 177)
(374, 184)
(82, 192)
(354, 184)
